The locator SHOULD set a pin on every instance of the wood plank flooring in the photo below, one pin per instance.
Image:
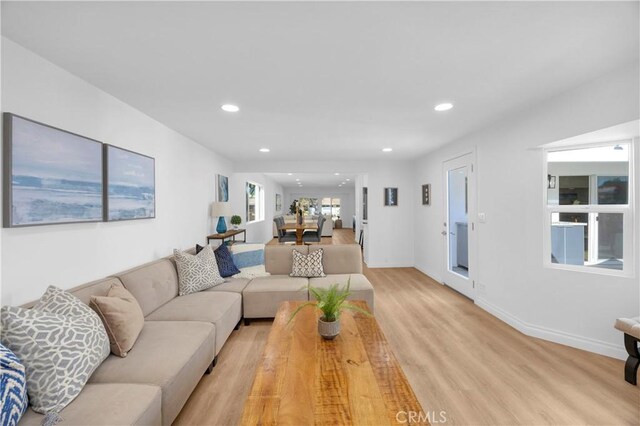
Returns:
(458, 358)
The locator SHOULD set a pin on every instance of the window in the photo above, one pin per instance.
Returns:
(331, 207)
(255, 202)
(589, 208)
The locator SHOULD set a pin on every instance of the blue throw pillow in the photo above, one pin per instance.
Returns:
(13, 388)
(224, 259)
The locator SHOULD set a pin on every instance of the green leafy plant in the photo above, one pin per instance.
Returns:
(293, 208)
(330, 301)
(236, 220)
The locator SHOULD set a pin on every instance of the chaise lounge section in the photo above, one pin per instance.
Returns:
(262, 296)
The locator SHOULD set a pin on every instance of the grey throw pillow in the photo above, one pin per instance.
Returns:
(197, 273)
(307, 265)
(61, 342)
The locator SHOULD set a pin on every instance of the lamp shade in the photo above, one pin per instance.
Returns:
(220, 209)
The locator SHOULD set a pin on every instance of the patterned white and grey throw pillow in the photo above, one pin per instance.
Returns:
(61, 342)
(197, 273)
(307, 265)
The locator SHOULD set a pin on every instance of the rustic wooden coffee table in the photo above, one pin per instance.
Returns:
(302, 379)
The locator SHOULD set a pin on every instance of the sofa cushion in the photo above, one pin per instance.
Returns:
(61, 341)
(262, 296)
(222, 309)
(360, 287)
(341, 258)
(121, 316)
(278, 260)
(197, 272)
(94, 288)
(307, 265)
(170, 354)
(152, 284)
(233, 285)
(108, 404)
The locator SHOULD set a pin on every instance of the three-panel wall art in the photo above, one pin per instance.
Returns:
(51, 176)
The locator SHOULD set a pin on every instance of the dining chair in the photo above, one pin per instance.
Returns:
(315, 236)
(283, 235)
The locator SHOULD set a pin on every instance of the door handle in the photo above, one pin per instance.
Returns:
(444, 232)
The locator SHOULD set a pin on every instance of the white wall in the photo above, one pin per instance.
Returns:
(577, 309)
(68, 255)
(347, 197)
(261, 231)
(389, 232)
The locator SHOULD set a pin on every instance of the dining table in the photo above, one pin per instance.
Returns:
(299, 228)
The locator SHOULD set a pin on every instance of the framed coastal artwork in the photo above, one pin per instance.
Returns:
(278, 203)
(222, 182)
(50, 176)
(391, 197)
(130, 188)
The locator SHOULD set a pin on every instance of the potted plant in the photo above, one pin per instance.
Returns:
(330, 301)
(235, 221)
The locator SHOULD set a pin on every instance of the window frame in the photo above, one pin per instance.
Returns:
(260, 202)
(628, 211)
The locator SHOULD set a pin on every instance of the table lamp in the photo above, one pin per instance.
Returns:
(220, 209)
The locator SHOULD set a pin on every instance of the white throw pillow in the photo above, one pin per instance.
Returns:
(307, 265)
(61, 342)
(197, 272)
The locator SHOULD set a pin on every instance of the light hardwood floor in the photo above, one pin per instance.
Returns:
(458, 358)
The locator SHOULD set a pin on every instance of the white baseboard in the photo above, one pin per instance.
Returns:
(389, 265)
(556, 336)
(434, 277)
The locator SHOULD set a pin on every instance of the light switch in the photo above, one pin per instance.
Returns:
(482, 218)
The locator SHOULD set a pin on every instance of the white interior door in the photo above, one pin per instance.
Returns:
(459, 224)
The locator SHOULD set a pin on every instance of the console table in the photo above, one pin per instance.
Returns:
(231, 233)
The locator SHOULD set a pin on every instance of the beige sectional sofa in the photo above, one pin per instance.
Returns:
(182, 335)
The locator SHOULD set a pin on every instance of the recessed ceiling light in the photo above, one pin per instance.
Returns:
(343, 183)
(337, 174)
(443, 107)
(347, 180)
(297, 180)
(339, 186)
(230, 108)
(264, 150)
(387, 149)
(289, 174)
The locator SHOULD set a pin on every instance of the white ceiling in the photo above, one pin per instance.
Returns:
(313, 180)
(337, 80)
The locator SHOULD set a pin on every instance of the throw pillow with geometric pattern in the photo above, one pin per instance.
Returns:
(307, 265)
(224, 259)
(197, 273)
(60, 341)
(13, 388)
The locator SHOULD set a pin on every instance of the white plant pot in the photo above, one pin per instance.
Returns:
(328, 330)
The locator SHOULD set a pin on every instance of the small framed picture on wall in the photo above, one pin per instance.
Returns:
(391, 197)
(426, 194)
